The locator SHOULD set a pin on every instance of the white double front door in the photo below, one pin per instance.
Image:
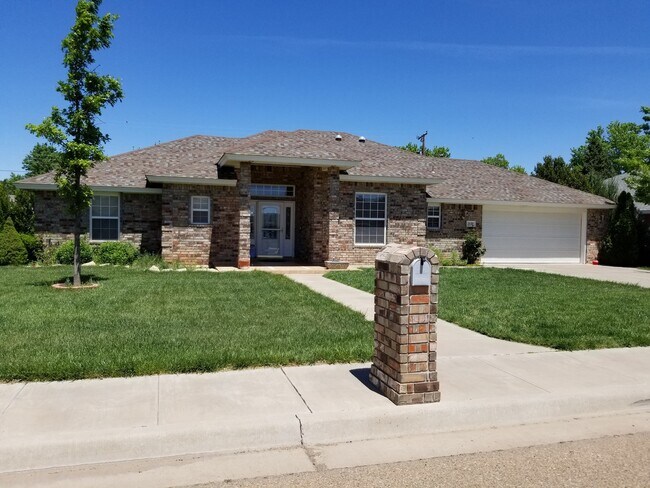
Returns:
(272, 229)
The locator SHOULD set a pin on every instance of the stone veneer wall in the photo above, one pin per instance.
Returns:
(140, 218)
(597, 223)
(453, 227)
(214, 243)
(407, 207)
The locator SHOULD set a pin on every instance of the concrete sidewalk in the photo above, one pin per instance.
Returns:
(94, 421)
(453, 340)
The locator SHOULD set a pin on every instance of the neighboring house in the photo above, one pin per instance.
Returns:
(619, 180)
(319, 196)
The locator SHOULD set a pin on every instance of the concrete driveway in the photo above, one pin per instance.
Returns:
(630, 276)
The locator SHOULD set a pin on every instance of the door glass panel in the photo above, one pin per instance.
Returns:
(287, 223)
(270, 241)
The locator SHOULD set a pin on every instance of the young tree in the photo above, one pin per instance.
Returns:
(43, 158)
(74, 129)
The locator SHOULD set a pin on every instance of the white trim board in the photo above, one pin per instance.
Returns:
(499, 203)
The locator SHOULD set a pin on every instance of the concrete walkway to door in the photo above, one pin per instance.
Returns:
(628, 276)
(453, 340)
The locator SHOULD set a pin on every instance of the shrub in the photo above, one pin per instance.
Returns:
(452, 260)
(65, 252)
(34, 246)
(122, 253)
(472, 248)
(620, 246)
(12, 249)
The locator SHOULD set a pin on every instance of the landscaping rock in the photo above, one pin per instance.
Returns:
(154, 268)
(91, 263)
(181, 269)
(105, 264)
(168, 269)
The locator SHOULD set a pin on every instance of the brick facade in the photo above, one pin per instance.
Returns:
(140, 219)
(597, 222)
(407, 207)
(214, 243)
(453, 227)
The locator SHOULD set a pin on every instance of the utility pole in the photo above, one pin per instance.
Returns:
(422, 138)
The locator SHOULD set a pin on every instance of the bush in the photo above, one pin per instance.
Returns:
(34, 246)
(472, 248)
(65, 252)
(452, 260)
(122, 253)
(620, 246)
(12, 249)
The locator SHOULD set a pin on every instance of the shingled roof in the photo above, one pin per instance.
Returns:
(197, 157)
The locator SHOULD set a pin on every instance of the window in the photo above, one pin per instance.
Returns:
(271, 190)
(105, 218)
(433, 216)
(370, 218)
(200, 210)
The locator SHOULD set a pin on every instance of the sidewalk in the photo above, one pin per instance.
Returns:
(69, 423)
(453, 340)
(484, 383)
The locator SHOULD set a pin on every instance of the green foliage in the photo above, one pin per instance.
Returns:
(120, 253)
(451, 259)
(499, 161)
(74, 130)
(43, 158)
(517, 168)
(22, 211)
(595, 158)
(434, 152)
(65, 252)
(620, 246)
(33, 245)
(5, 204)
(12, 249)
(472, 248)
(147, 260)
(646, 120)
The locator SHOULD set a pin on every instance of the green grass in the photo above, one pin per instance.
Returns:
(139, 323)
(536, 308)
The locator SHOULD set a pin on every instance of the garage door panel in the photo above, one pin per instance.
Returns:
(531, 235)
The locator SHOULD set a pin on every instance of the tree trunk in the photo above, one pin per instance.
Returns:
(76, 265)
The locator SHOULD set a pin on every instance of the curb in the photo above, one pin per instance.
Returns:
(339, 427)
(263, 433)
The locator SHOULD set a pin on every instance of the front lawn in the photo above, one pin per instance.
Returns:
(139, 323)
(536, 308)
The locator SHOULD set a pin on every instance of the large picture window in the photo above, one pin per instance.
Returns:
(200, 210)
(433, 216)
(370, 218)
(105, 218)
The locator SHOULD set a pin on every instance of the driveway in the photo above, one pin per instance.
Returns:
(630, 276)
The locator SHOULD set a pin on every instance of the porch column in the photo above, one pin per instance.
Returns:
(243, 195)
(333, 198)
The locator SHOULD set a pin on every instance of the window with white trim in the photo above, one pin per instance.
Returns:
(105, 218)
(370, 218)
(200, 210)
(434, 216)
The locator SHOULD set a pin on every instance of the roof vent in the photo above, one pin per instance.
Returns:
(362, 139)
(338, 137)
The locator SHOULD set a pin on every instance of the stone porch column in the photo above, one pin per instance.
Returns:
(243, 195)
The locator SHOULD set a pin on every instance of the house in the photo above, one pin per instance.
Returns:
(318, 196)
(621, 185)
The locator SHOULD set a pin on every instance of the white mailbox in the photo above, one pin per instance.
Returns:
(420, 272)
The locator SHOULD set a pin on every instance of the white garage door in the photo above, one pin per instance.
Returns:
(532, 235)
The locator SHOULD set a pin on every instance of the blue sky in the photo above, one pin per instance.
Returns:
(525, 78)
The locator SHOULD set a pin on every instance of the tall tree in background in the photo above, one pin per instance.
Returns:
(631, 151)
(594, 159)
(43, 158)
(434, 152)
(500, 161)
(73, 129)
(646, 120)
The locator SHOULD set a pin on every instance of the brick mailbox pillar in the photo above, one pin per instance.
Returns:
(406, 309)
